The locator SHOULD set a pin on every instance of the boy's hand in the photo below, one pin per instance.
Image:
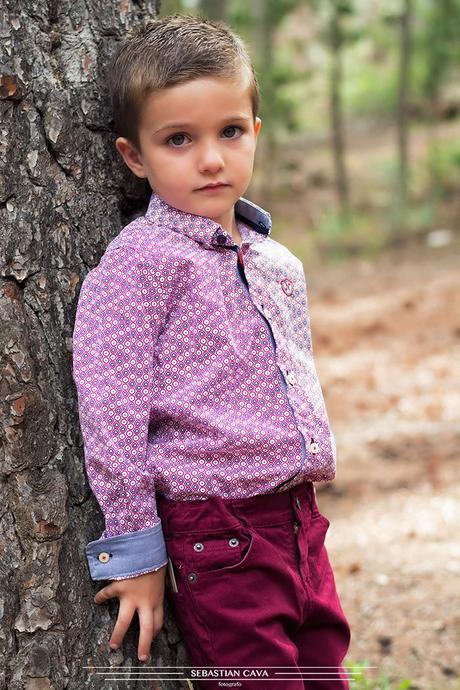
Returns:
(144, 594)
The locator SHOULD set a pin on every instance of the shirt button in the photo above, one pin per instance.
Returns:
(314, 448)
(104, 557)
(198, 546)
(291, 378)
(233, 541)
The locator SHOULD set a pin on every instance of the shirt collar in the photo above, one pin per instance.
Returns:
(205, 230)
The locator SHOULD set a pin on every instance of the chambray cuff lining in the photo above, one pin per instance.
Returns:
(128, 554)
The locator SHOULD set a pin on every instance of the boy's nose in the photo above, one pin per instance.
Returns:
(210, 159)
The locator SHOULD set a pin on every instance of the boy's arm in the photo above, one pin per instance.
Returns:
(121, 307)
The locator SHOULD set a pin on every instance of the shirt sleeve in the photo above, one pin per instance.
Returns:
(121, 308)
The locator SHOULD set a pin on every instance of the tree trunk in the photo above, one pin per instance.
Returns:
(64, 194)
(336, 110)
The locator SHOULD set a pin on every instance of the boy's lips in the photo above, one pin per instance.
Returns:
(219, 185)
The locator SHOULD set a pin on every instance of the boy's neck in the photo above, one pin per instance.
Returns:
(236, 233)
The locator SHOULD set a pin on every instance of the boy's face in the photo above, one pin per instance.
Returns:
(213, 140)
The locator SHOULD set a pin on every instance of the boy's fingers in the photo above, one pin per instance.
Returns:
(105, 593)
(147, 632)
(125, 616)
(158, 614)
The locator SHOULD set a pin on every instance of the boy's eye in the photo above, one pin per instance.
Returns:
(232, 128)
(176, 140)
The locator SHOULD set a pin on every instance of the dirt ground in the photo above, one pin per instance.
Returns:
(386, 338)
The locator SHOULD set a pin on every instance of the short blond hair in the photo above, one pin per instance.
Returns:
(173, 50)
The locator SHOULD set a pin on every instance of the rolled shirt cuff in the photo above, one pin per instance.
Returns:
(127, 555)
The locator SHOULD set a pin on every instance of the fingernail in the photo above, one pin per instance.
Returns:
(143, 657)
(113, 646)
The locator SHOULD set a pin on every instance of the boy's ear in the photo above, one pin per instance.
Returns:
(131, 156)
(257, 126)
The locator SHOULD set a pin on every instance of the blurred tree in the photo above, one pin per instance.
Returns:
(339, 8)
(332, 13)
(263, 28)
(261, 25)
(403, 100)
(401, 17)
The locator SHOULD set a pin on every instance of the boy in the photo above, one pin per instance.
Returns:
(202, 416)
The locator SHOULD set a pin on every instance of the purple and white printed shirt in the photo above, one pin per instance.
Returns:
(193, 361)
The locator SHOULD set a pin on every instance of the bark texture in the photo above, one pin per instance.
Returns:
(64, 194)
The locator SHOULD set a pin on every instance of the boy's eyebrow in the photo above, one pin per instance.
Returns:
(175, 125)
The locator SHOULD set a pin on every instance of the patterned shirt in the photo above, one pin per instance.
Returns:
(193, 361)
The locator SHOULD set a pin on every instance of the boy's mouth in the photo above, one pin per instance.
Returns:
(213, 185)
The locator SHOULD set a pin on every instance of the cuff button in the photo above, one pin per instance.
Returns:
(104, 557)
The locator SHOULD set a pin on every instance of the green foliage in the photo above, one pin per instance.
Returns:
(277, 9)
(284, 106)
(370, 89)
(240, 17)
(439, 43)
(358, 233)
(360, 679)
(442, 164)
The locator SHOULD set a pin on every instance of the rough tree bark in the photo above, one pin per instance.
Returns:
(64, 195)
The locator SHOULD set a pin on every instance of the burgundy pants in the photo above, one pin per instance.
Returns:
(256, 593)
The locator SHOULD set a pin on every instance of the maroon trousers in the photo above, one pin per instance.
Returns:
(256, 595)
